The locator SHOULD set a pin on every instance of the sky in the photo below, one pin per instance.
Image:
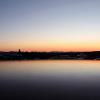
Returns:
(50, 25)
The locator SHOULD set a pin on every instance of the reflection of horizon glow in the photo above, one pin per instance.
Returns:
(57, 68)
(75, 78)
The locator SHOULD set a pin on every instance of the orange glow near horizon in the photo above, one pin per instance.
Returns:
(51, 46)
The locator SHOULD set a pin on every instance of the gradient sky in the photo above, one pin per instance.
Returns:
(50, 25)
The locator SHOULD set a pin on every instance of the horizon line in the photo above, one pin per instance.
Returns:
(19, 50)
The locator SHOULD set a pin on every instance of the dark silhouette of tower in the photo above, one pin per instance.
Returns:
(19, 51)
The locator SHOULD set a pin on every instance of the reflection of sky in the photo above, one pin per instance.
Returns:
(50, 24)
(50, 72)
(63, 67)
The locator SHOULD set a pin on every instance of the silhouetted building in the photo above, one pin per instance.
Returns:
(19, 51)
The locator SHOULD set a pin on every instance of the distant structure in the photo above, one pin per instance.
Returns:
(19, 51)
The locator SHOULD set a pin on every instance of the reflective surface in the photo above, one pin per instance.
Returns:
(65, 78)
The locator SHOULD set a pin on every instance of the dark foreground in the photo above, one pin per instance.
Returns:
(48, 89)
(49, 55)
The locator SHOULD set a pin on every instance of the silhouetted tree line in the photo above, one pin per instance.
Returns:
(49, 55)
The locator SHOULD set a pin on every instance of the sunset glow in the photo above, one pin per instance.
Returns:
(50, 25)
